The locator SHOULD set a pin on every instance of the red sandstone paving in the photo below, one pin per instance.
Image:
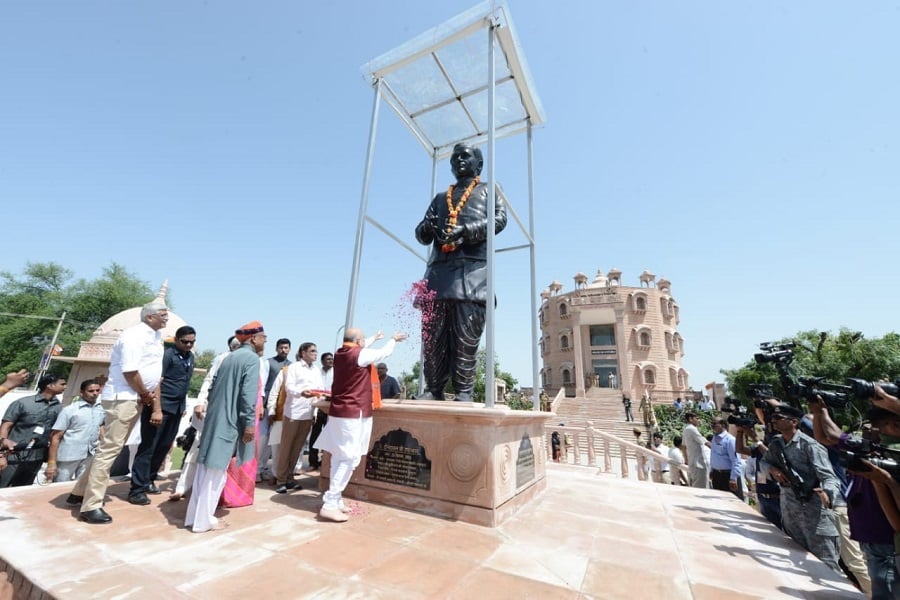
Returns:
(589, 535)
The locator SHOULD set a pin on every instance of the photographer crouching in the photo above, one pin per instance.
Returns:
(873, 499)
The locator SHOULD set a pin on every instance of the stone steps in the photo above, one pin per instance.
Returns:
(603, 408)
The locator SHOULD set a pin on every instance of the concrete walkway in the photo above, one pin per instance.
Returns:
(589, 535)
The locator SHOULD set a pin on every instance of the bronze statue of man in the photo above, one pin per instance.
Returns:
(455, 225)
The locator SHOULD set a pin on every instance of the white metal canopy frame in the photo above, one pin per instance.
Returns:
(464, 81)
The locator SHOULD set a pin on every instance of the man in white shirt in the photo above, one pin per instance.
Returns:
(134, 372)
(303, 384)
(327, 360)
(676, 459)
(659, 467)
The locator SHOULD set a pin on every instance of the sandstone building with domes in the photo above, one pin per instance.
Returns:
(602, 338)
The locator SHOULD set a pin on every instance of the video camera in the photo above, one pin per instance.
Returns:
(775, 353)
(858, 449)
(738, 414)
(801, 388)
(866, 389)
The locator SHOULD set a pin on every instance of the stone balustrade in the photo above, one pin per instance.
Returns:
(599, 445)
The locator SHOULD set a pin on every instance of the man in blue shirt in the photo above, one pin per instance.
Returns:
(156, 440)
(75, 435)
(726, 468)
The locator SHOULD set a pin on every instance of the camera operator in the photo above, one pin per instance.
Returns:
(768, 493)
(869, 524)
(27, 424)
(808, 486)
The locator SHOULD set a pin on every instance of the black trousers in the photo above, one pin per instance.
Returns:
(720, 479)
(450, 336)
(156, 441)
(321, 419)
(20, 473)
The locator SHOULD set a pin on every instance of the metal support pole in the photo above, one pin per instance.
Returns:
(490, 387)
(535, 395)
(45, 360)
(434, 165)
(363, 207)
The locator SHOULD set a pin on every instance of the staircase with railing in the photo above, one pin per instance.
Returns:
(603, 410)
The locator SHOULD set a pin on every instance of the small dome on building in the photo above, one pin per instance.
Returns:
(600, 280)
(109, 331)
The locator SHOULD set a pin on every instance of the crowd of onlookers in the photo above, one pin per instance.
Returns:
(258, 414)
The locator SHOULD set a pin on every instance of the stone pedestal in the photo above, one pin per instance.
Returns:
(454, 460)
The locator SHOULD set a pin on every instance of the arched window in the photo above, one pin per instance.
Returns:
(566, 376)
(639, 302)
(564, 342)
(649, 377)
(643, 336)
(563, 310)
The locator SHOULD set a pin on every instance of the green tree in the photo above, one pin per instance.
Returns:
(824, 354)
(46, 290)
(202, 360)
(411, 379)
(480, 366)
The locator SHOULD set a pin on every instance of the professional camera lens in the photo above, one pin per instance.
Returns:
(866, 389)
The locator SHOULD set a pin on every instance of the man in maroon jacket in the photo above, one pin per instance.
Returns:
(355, 392)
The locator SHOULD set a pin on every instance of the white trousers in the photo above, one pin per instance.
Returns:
(208, 486)
(348, 441)
(188, 469)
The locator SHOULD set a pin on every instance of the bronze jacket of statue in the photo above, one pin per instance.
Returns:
(462, 273)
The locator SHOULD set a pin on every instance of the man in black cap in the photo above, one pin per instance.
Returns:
(801, 467)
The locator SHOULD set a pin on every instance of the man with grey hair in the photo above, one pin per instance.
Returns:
(135, 369)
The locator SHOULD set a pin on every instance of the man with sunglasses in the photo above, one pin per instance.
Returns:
(156, 440)
(809, 486)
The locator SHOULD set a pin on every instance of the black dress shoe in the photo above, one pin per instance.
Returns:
(96, 516)
(292, 485)
(140, 499)
(153, 489)
(72, 499)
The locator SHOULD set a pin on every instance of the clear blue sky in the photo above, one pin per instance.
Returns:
(220, 145)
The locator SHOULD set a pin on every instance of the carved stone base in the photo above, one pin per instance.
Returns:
(454, 460)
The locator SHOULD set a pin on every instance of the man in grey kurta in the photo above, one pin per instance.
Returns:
(229, 425)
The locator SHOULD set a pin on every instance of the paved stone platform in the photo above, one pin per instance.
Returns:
(589, 535)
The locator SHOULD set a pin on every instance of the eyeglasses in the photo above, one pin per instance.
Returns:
(188, 342)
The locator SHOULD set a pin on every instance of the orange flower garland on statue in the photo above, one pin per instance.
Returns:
(454, 211)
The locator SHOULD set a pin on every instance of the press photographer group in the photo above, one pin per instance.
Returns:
(828, 471)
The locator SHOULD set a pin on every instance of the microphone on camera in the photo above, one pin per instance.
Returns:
(37, 434)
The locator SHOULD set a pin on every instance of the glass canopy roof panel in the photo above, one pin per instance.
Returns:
(445, 125)
(437, 82)
(507, 106)
(466, 63)
(420, 84)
